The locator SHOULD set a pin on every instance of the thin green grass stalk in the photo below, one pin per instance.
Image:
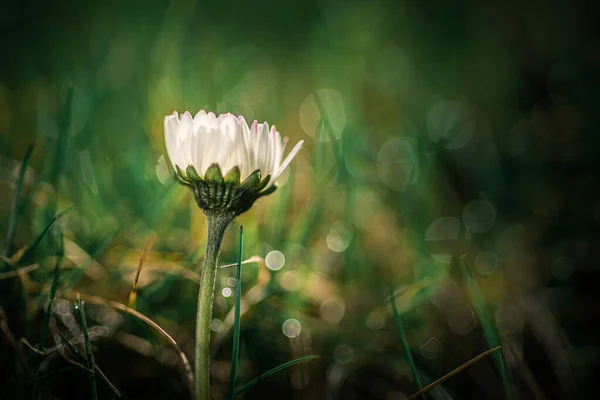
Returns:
(216, 225)
(82, 359)
(404, 342)
(27, 256)
(58, 159)
(53, 289)
(452, 373)
(489, 331)
(270, 372)
(14, 211)
(235, 353)
(88, 350)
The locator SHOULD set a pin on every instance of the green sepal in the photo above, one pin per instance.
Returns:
(233, 177)
(213, 174)
(185, 180)
(268, 191)
(251, 181)
(192, 173)
(263, 183)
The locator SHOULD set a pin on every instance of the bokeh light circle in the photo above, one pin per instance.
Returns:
(291, 328)
(440, 235)
(332, 310)
(328, 102)
(451, 121)
(486, 262)
(216, 325)
(479, 216)
(275, 260)
(397, 162)
(431, 349)
(339, 236)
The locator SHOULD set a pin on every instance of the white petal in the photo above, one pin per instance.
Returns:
(286, 162)
(185, 135)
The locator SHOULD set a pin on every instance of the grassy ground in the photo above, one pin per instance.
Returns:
(445, 202)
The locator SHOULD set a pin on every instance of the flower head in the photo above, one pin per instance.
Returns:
(203, 147)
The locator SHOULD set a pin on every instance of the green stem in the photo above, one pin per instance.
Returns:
(216, 228)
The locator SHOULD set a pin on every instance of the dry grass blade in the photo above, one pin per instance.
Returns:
(453, 372)
(122, 307)
(18, 272)
(253, 259)
(10, 338)
(133, 293)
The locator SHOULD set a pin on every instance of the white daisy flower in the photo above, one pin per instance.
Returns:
(204, 147)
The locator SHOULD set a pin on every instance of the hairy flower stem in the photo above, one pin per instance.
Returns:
(216, 223)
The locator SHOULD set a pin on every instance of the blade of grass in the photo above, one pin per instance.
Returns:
(235, 353)
(17, 272)
(452, 373)
(122, 307)
(133, 293)
(34, 245)
(61, 144)
(88, 350)
(270, 372)
(48, 314)
(76, 352)
(53, 289)
(489, 331)
(12, 219)
(404, 342)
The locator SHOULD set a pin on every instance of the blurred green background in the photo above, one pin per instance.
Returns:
(433, 129)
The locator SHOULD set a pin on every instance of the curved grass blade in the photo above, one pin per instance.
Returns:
(122, 307)
(12, 219)
(235, 353)
(489, 331)
(404, 342)
(88, 350)
(452, 373)
(270, 372)
(33, 246)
